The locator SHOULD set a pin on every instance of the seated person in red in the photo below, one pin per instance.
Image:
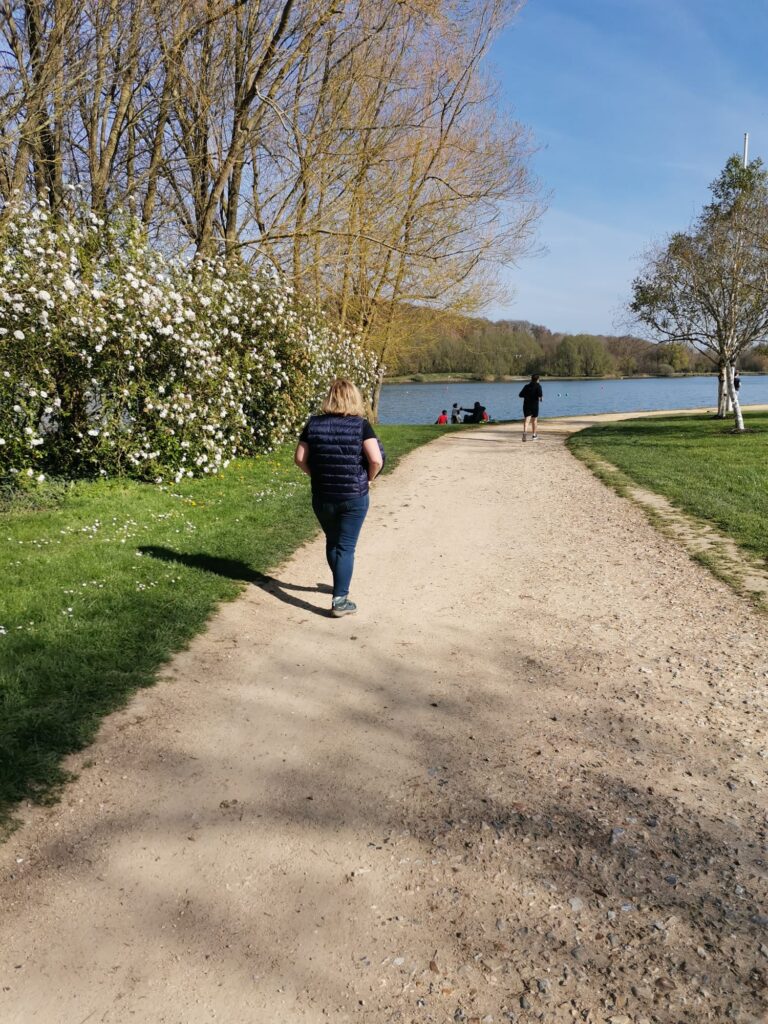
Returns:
(442, 418)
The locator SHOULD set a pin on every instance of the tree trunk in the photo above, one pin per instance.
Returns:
(734, 397)
(232, 207)
(376, 396)
(722, 393)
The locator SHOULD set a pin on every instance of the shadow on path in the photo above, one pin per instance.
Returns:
(233, 569)
(612, 891)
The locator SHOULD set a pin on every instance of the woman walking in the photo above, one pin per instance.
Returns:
(341, 454)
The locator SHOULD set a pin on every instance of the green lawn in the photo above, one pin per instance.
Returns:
(698, 464)
(94, 599)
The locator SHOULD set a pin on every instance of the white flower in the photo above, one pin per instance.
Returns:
(18, 335)
(93, 433)
(44, 296)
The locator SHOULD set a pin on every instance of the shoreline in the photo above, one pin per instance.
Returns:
(581, 421)
(588, 419)
(436, 378)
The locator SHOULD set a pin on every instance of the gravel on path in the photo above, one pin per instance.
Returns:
(525, 783)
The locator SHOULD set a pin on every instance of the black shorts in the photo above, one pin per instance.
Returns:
(530, 409)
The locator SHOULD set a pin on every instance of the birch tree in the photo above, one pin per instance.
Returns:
(708, 287)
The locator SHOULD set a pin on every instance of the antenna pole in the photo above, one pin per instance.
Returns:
(746, 148)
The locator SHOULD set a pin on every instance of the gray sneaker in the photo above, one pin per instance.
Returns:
(534, 437)
(342, 606)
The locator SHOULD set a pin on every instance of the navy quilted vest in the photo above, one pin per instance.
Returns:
(339, 468)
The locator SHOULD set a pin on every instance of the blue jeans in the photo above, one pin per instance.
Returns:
(341, 522)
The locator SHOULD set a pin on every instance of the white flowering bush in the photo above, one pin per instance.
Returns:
(114, 359)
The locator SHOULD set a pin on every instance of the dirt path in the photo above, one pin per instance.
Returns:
(525, 783)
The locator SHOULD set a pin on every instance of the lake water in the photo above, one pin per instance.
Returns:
(421, 403)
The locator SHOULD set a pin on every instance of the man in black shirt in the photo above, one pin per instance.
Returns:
(531, 396)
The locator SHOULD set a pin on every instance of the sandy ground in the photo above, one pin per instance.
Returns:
(525, 783)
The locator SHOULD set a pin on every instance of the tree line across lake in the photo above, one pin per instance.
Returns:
(480, 347)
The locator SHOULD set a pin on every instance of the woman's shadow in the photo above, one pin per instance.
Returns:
(232, 569)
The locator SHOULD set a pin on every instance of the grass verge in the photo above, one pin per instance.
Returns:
(87, 614)
(696, 462)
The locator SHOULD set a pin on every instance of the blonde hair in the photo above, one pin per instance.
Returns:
(344, 399)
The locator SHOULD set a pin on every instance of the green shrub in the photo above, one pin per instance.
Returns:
(117, 360)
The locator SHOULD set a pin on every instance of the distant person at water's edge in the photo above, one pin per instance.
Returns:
(455, 413)
(442, 418)
(475, 414)
(339, 451)
(531, 395)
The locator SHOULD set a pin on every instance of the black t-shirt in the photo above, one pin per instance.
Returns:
(368, 432)
(531, 393)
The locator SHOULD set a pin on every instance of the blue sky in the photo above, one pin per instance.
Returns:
(635, 106)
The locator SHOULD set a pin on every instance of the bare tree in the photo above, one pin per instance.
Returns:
(36, 45)
(225, 98)
(410, 187)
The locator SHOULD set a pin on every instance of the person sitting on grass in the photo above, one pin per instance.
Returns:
(475, 414)
(442, 418)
